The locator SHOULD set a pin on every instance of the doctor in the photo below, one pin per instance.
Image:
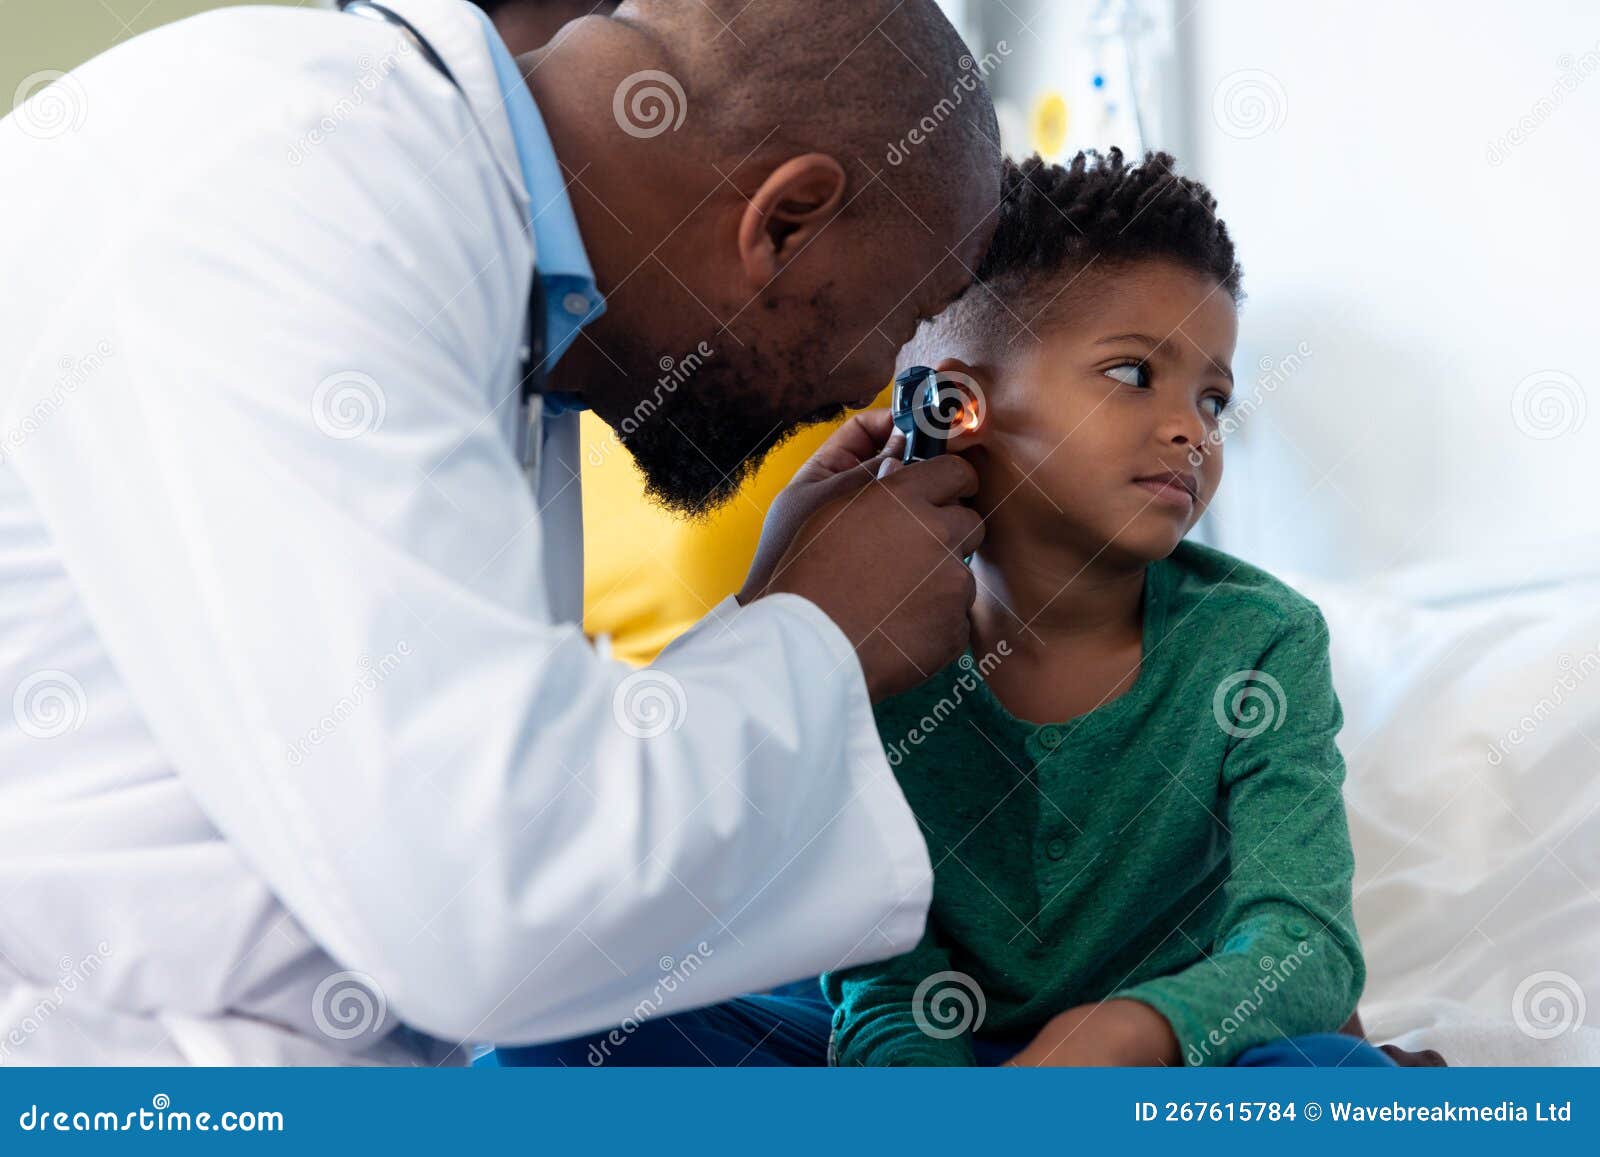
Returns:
(303, 755)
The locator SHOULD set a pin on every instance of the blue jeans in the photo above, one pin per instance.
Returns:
(791, 1028)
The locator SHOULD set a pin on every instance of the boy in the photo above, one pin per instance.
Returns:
(1129, 787)
(1133, 804)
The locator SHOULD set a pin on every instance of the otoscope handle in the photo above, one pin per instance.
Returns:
(920, 413)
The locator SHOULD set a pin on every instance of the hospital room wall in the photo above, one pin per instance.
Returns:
(1411, 186)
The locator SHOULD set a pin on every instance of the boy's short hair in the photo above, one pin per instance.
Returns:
(1060, 222)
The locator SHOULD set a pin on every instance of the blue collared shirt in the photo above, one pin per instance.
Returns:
(571, 300)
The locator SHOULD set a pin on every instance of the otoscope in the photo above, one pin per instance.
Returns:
(924, 413)
(927, 410)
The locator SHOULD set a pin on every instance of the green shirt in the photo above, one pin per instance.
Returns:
(1183, 845)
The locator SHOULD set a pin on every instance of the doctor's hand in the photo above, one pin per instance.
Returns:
(880, 556)
(865, 445)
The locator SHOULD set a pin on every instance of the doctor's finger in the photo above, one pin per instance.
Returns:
(860, 437)
(961, 529)
(938, 480)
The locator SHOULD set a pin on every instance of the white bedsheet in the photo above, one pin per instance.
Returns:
(1472, 737)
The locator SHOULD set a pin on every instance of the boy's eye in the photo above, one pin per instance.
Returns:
(1219, 404)
(1135, 374)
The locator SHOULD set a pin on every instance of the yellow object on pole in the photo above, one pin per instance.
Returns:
(1049, 128)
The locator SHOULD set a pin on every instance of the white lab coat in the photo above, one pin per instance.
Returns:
(304, 739)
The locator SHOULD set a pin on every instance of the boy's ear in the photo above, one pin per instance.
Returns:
(967, 387)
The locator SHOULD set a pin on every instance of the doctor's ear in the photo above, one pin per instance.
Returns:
(964, 389)
(792, 205)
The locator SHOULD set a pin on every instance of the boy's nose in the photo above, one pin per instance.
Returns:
(1182, 427)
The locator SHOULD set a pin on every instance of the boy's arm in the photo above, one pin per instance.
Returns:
(902, 1012)
(1286, 960)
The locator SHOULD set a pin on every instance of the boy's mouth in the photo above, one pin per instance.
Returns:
(1178, 488)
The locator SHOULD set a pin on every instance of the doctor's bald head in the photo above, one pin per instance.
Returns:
(777, 77)
(795, 185)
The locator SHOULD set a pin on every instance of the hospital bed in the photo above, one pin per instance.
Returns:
(1472, 738)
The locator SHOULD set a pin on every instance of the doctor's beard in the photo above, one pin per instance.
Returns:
(700, 442)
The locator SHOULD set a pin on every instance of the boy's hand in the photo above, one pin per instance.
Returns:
(1112, 1032)
(1405, 1058)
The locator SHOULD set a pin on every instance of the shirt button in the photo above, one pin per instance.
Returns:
(1295, 928)
(1055, 849)
(576, 304)
(1050, 735)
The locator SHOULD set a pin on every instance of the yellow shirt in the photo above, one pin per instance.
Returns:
(650, 575)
